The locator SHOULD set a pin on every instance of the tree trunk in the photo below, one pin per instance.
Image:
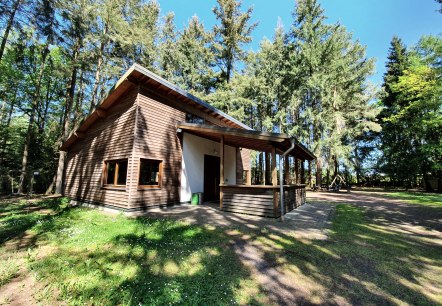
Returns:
(51, 186)
(302, 172)
(8, 28)
(328, 175)
(286, 170)
(98, 72)
(318, 172)
(46, 108)
(335, 159)
(96, 83)
(267, 178)
(30, 133)
(65, 123)
(261, 170)
(309, 178)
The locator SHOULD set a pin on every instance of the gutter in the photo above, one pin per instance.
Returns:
(281, 170)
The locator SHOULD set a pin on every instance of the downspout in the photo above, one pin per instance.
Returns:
(281, 170)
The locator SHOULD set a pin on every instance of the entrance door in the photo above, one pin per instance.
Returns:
(211, 178)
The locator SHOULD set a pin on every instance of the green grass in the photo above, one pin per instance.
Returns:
(8, 269)
(91, 258)
(82, 256)
(363, 262)
(419, 198)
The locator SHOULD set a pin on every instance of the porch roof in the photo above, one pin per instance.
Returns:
(249, 139)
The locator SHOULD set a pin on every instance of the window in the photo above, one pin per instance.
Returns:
(191, 118)
(150, 173)
(115, 172)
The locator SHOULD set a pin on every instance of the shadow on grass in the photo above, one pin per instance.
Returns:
(420, 198)
(146, 261)
(106, 260)
(19, 215)
(363, 262)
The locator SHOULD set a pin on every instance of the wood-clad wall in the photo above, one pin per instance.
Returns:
(156, 138)
(248, 200)
(259, 201)
(141, 124)
(108, 138)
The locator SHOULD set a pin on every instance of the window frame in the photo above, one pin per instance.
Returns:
(160, 174)
(115, 180)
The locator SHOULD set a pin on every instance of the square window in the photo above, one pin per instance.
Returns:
(150, 173)
(115, 172)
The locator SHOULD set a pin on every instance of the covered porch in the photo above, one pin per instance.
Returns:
(276, 197)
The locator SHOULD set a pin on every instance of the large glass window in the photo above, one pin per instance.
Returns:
(150, 173)
(115, 172)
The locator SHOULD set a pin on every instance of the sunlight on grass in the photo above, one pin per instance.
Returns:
(129, 261)
(419, 198)
(8, 269)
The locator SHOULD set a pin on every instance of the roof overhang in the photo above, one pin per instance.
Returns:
(249, 139)
(137, 75)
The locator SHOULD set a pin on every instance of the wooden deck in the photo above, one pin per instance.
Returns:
(261, 200)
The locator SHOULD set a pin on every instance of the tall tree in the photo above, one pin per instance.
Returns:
(393, 134)
(196, 59)
(414, 115)
(77, 16)
(168, 51)
(10, 21)
(233, 31)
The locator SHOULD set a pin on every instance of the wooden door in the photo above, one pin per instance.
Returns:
(211, 178)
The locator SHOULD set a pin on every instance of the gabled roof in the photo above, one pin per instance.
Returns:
(140, 75)
(249, 139)
(237, 133)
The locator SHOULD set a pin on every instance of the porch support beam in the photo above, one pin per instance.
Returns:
(221, 171)
(296, 170)
(274, 173)
(274, 182)
(249, 177)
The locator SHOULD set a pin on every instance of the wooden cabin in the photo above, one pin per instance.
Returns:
(150, 143)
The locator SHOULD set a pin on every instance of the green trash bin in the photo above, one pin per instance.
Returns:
(195, 199)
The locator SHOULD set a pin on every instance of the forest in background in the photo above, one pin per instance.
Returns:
(58, 58)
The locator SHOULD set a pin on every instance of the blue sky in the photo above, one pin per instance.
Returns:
(372, 22)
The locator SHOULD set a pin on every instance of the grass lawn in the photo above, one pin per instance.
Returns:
(83, 256)
(87, 257)
(420, 198)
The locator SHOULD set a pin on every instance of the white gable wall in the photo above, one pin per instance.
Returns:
(192, 168)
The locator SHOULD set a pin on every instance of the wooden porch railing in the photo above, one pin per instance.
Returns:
(261, 200)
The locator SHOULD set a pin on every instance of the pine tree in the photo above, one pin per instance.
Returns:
(169, 58)
(394, 143)
(196, 58)
(328, 76)
(233, 31)
(411, 146)
(77, 15)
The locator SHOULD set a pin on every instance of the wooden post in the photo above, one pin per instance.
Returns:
(248, 177)
(274, 172)
(296, 170)
(221, 171)
(274, 183)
